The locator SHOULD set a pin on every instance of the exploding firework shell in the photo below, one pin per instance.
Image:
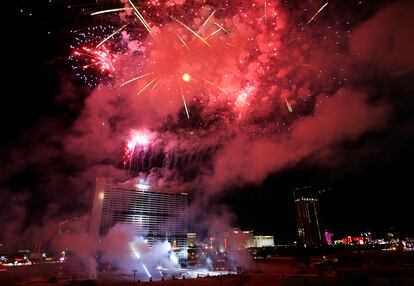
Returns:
(93, 60)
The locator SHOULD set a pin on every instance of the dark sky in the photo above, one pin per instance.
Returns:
(370, 189)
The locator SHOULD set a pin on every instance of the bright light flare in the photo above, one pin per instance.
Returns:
(243, 96)
(134, 250)
(186, 77)
(146, 270)
(139, 138)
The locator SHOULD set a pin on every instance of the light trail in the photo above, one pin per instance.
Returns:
(146, 270)
(135, 78)
(185, 104)
(213, 84)
(110, 11)
(141, 18)
(289, 107)
(209, 17)
(182, 41)
(212, 34)
(316, 14)
(145, 87)
(220, 26)
(134, 251)
(111, 35)
(189, 29)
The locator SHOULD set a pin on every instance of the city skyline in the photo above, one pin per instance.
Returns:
(338, 120)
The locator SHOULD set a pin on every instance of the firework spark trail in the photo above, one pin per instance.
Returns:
(80, 29)
(182, 41)
(136, 78)
(145, 87)
(257, 49)
(141, 18)
(289, 107)
(111, 35)
(212, 83)
(213, 33)
(191, 30)
(110, 11)
(155, 84)
(221, 27)
(233, 46)
(185, 104)
(209, 17)
(316, 14)
(100, 58)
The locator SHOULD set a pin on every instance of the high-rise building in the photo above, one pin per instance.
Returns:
(308, 218)
(155, 214)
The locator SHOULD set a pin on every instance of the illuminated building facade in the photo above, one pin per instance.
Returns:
(328, 238)
(155, 214)
(238, 240)
(264, 240)
(308, 218)
(191, 239)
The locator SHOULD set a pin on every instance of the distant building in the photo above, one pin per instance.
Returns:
(238, 240)
(328, 237)
(264, 240)
(192, 256)
(367, 237)
(155, 214)
(353, 240)
(191, 239)
(389, 237)
(308, 219)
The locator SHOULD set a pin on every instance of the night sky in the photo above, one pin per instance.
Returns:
(366, 182)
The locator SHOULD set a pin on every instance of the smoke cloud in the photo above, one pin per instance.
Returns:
(385, 40)
(266, 92)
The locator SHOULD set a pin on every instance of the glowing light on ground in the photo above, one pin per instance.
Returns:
(146, 270)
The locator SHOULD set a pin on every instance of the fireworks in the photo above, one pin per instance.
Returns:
(186, 77)
(95, 59)
(232, 67)
(317, 12)
(185, 105)
(110, 36)
(138, 139)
